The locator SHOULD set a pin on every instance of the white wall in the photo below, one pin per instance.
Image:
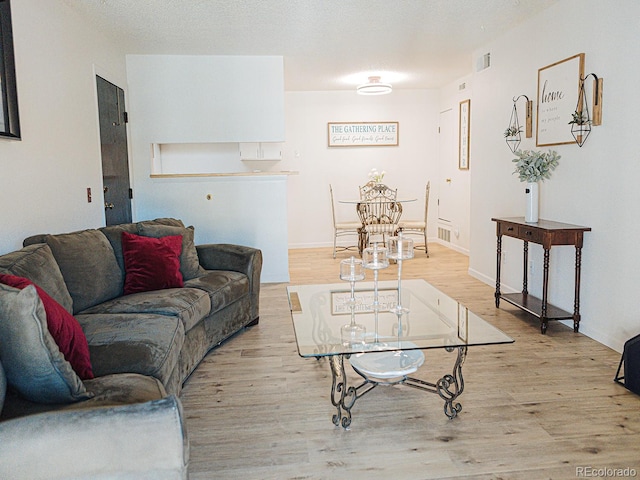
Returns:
(409, 165)
(208, 98)
(44, 177)
(593, 186)
(175, 99)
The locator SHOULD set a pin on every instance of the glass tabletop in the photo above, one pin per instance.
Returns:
(361, 200)
(434, 320)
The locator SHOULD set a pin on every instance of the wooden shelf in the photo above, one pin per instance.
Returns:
(533, 305)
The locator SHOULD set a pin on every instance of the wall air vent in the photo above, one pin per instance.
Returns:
(444, 234)
(483, 62)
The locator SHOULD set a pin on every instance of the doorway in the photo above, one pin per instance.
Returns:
(446, 202)
(113, 146)
(454, 200)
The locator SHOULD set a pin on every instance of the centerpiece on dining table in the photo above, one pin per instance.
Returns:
(375, 176)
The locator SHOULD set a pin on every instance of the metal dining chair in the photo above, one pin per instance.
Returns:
(418, 227)
(341, 229)
(379, 217)
(372, 190)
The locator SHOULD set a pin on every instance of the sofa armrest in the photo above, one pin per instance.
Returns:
(235, 258)
(145, 440)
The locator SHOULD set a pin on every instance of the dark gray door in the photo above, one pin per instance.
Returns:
(115, 161)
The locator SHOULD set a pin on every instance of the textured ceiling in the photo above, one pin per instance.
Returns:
(326, 44)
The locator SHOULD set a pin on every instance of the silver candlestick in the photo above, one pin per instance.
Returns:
(352, 271)
(375, 258)
(400, 248)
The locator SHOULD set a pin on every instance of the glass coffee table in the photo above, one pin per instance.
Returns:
(385, 348)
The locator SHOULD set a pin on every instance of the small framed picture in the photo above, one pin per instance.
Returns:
(463, 134)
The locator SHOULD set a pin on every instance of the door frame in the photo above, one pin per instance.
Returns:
(99, 71)
(458, 189)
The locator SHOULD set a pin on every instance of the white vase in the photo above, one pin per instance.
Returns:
(531, 212)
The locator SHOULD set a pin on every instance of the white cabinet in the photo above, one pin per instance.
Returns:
(261, 151)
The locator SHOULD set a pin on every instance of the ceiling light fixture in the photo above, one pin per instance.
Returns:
(374, 87)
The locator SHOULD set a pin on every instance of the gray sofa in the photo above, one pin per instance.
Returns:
(143, 346)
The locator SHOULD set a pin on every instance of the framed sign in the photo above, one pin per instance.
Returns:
(558, 89)
(9, 122)
(363, 134)
(463, 134)
(387, 299)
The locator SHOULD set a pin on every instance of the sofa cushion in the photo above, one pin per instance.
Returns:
(190, 305)
(189, 264)
(107, 391)
(33, 363)
(222, 286)
(64, 329)
(151, 263)
(36, 262)
(122, 389)
(88, 265)
(133, 343)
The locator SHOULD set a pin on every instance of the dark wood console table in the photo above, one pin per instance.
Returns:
(547, 234)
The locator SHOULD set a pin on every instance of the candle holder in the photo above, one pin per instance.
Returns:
(375, 258)
(400, 248)
(352, 271)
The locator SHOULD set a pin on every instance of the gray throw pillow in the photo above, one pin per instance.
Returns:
(189, 263)
(36, 263)
(89, 267)
(3, 386)
(30, 356)
(114, 235)
(172, 222)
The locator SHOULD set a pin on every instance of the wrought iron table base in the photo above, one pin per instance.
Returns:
(343, 396)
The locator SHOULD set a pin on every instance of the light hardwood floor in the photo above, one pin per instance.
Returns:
(543, 407)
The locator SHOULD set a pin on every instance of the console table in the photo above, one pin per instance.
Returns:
(547, 234)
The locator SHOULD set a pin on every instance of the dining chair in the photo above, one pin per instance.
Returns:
(371, 190)
(379, 217)
(341, 229)
(418, 227)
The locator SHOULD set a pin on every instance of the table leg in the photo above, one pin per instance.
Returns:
(362, 240)
(498, 262)
(545, 285)
(525, 274)
(342, 396)
(576, 301)
(449, 387)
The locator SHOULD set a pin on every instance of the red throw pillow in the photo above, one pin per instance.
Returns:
(62, 326)
(151, 263)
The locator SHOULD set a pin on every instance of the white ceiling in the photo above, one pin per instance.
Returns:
(326, 44)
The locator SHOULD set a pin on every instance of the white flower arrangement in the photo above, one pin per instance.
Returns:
(376, 176)
(532, 166)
